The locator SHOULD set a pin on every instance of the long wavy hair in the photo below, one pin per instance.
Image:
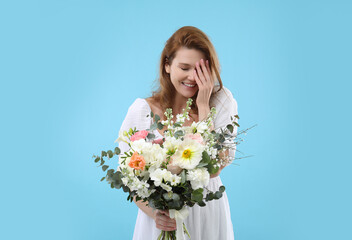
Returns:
(192, 38)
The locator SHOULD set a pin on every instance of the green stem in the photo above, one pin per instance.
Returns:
(160, 235)
(186, 231)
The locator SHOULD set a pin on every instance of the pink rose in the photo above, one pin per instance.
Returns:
(139, 135)
(196, 137)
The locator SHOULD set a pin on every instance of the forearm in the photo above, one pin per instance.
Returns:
(146, 209)
(203, 112)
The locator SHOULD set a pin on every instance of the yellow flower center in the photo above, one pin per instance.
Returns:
(186, 153)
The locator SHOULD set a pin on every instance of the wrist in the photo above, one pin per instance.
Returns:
(203, 112)
(203, 106)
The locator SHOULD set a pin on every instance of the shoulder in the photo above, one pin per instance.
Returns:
(138, 111)
(223, 97)
(225, 105)
(140, 104)
(137, 115)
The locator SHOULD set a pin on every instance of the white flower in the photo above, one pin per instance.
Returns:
(175, 180)
(125, 181)
(160, 175)
(144, 191)
(171, 144)
(135, 184)
(153, 155)
(199, 177)
(188, 154)
(180, 118)
(157, 176)
(166, 187)
(140, 145)
(201, 127)
(212, 152)
(122, 137)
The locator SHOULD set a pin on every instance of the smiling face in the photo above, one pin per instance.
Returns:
(181, 71)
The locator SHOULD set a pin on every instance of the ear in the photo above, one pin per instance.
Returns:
(167, 68)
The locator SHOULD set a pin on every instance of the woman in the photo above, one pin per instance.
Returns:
(189, 68)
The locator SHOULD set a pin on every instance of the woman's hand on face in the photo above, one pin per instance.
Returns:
(205, 83)
(163, 221)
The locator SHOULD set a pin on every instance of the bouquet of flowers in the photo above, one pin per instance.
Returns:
(173, 172)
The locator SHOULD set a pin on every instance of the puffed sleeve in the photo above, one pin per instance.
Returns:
(226, 107)
(136, 117)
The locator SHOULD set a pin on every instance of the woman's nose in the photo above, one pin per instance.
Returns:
(190, 75)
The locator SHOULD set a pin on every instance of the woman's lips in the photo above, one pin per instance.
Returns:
(189, 85)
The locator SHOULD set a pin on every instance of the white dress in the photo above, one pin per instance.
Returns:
(212, 222)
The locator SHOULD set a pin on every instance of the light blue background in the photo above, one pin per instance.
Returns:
(70, 69)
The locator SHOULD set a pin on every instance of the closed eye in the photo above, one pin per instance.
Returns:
(184, 69)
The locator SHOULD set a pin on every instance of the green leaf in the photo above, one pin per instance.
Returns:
(230, 128)
(105, 167)
(236, 124)
(102, 179)
(153, 126)
(152, 114)
(202, 164)
(117, 151)
(160, 125)
(97, 159)
(177, 124)
(218, 195)
(175, 197)
(167, 196)
(103, 154)
(157, 118)
(183, 176)
(222, 189)
(179, 133)
(201, 204)
(151, 136)
(125, 188)
(236, 116)
(175, 205)
(197, 195)
(110, 153)
(198, 191)
(212, 169)
(118, 184)
(110, 172)
(205, 157)
(209, 196)
(102, 162)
